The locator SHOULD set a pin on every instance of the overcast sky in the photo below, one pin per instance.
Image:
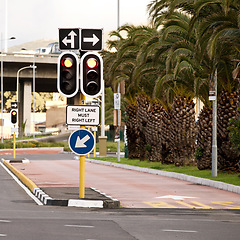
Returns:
(30, 20)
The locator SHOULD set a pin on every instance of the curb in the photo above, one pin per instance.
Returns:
(47, 200)
(26, 181)
(201, 181)
(60, 149)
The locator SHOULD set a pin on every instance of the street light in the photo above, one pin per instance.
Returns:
(12, 38)
(18, 72)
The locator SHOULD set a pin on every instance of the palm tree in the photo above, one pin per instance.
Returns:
(219, 35)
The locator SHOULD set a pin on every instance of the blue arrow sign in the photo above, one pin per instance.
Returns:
(81, 142)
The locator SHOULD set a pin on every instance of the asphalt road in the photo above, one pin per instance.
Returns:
(22, 218)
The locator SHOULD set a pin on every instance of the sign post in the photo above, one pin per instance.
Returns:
(81, 142)
(213, 97)
(82, 164)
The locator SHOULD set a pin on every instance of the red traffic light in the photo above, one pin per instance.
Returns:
(67, 62)
(68, 74)
(92, 63)
(91, 74)
(13, 116)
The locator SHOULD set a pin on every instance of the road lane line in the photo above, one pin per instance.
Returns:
(157, 204)
(5, 221)
(228, 205)
(202, 206)
(180, 231)
(3, 235)
(79, 226)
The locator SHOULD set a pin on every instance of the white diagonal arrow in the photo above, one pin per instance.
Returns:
(72, 34)
(80, 142)
(94, 39)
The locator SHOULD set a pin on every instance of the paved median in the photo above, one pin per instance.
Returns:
(62, 196)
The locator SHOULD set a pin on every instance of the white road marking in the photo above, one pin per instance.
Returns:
(22, 185)
(3, 235)
(79, 226)
(181, 231)
(174, 197)
(5, 221)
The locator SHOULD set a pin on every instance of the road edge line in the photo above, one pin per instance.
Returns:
(23, 186)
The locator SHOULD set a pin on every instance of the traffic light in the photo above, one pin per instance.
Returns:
(68, 74)
(14, 116)
(91, 74)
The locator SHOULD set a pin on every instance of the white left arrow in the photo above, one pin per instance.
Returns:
(80, 143)
(94, 39)
(65, 41)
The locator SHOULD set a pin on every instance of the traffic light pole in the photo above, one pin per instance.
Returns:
(82, 162)
(14, 144)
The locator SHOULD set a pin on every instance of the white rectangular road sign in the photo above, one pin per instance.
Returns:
(84, 115)
(117, 101)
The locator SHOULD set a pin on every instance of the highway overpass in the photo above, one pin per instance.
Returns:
(46, 72)
(45, 80)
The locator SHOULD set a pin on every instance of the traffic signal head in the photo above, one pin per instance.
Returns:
(91, 74)
(14, 116)
(68, 74)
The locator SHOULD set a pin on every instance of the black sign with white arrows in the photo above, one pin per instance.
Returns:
(14, 105)
(69, 38)
(91, 40)
(87, 40)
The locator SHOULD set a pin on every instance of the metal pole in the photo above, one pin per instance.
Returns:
(118, 91)
(18, 72)
(6, 26)
(14, 144)
(214, 131)
(94, 150)
(103, 112)
(1, 91)
(34, 88)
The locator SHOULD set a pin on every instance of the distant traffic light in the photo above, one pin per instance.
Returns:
(91, 74)
(68, 74)
(14, 116)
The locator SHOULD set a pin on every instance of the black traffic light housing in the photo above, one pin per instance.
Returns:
(91, 74)
(68, 74)
(14, 116)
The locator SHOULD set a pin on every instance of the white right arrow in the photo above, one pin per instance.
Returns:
(94, 39)
(80, 143)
